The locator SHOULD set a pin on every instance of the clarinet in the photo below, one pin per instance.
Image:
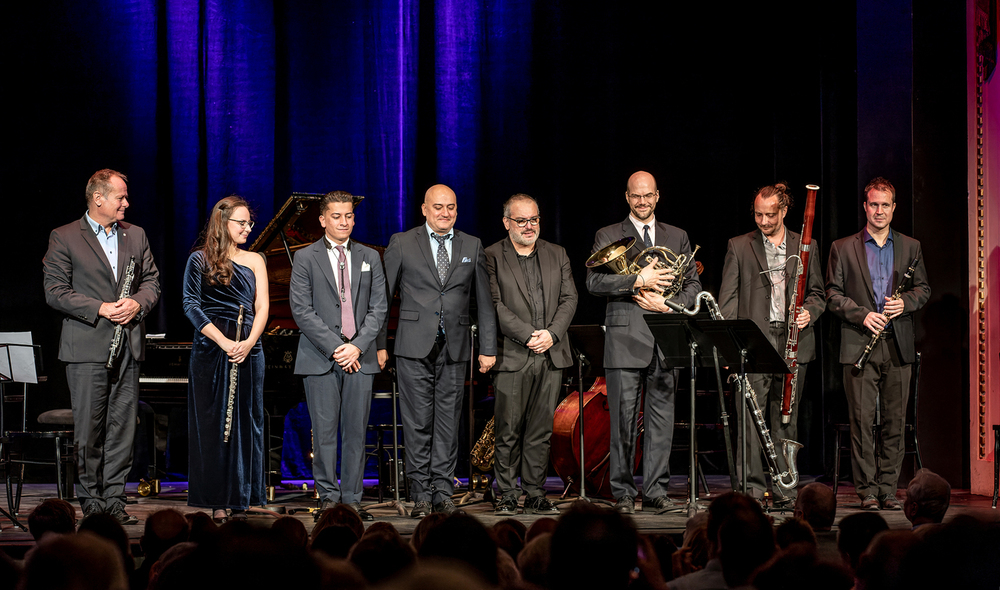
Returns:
(116, 341)
(877, 335)
(234, 373)
(792, 342)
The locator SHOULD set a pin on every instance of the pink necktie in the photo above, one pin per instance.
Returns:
(347, 327)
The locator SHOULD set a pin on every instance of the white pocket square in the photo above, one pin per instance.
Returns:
(466, 259)
(365, 267)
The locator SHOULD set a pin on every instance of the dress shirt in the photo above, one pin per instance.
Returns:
(108, 242)
(434, 243)
(331, 251)
(533, 281)
(880, 261)
(651, 222)
(776, 257)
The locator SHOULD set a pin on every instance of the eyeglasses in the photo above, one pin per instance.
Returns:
(646, 197)
(244, 224)
(520, 222)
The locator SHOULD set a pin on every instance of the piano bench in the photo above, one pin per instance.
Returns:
(62, 417)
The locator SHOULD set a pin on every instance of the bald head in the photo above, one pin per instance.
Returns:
(817, 505)
(642, 195)
(440, 208)
(927, 498)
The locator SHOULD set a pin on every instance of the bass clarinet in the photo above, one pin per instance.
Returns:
(876, 336)
(792, 342)
(116, 341)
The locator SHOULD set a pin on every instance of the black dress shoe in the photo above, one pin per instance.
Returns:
(869, 502)
(507, 506)
(364, 514)
(92, 508)
(123, 518)
(323, 507)
(421, 508)
(657, 505)
(238, 515)
(625, 505)
(447, 507)
(889, 502)
(539, 505)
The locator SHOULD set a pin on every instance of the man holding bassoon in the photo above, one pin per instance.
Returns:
(875, 281)
(763, 279)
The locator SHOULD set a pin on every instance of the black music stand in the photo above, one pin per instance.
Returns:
(587, 343)
(17, 365)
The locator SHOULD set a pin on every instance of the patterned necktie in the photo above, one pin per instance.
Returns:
(347, 327)
(442, 256)
(645, 237)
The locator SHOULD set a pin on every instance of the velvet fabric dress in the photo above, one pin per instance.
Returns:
(223, 474)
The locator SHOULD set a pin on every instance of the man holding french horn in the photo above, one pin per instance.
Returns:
(875, 281)
(632, 360)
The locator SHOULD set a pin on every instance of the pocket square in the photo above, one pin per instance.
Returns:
(365, 267)
(466, 259)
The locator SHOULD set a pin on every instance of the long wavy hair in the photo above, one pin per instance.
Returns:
(216, 241)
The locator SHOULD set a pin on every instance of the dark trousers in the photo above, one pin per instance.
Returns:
(525, 405)
(339, 399)
(430, 399)
(886, 379)
(769, 389)
(104, 419)
(624, 402)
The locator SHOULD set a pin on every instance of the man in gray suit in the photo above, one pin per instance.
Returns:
(864, 271)
(632, 361)
(84, 271)
(535, 298)
(436, 268)
(749, 292)
(337, 295)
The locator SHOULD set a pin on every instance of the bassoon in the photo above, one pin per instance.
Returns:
(792, 343)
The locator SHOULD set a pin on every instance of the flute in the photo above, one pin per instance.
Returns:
(234, 373)
(876, 336)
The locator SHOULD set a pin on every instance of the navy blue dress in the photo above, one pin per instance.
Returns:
(223, 474)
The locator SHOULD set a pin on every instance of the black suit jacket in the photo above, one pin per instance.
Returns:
(511, 299)
(411, 267)
(746, 293)
(850, 295)
(628, 343)
(78, 279)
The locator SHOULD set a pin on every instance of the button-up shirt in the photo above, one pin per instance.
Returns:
(879, 260)
(651, 222)
(331, 251)
(776, 257)
(434, 243)
(108, 241)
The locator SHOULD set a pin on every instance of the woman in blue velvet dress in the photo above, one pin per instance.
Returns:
(219, 278)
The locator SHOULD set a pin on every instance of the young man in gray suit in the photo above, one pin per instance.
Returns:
(535, 298)
(436, 268)
(337, 295)
(84, 270)
(749, 292)
(863, 273)
(632, 361)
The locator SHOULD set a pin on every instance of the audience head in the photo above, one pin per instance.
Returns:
(334, 540)
(52, 516)
(200, 526)
(545, 524)
(106, 526)
(509, 534)
(745, 541)
(960, 554)
(245, 556)
(341, 514)
(79, 562)
(423, 527)
(463, 538)
(879, 567)
(817, 505)
(381, 527)
(592, 548)
(163, 530)
(533, 561)
(794, 530)
(799, 567)
(696, 540)
(438, 574)
(293, 530)
(927, 498)
(173, 569)
(856, 532)
(338, 574)
(381, 555)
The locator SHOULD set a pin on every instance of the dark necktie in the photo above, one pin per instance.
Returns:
(442, 256)
(645, 237)
(347, 327)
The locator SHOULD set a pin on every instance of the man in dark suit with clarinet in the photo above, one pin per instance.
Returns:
(866, 288)
(436, 268)
(337, 295)
(758, 284)
(535, 298)
(99, 273)
(632, 361)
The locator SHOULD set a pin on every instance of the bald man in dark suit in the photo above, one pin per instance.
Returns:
(84, 271)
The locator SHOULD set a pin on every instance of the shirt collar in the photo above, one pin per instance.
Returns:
(432, 233)
(638, 224)
(97, 227)
(784, 240)
(868, 237)
(330, 245)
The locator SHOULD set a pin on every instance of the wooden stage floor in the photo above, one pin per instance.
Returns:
(173, 495)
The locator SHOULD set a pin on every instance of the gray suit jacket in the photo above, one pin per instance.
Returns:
(628, 343)
(411, 268)
(78, 279)
(850, 295)
(745, 293)
(511, 299)
(315, 302)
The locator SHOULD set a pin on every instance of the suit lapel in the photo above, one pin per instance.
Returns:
(859, 251)
(758, 251)
(357, 264)
(423, 244)
(323, 260)
(123, 257)
(457, 243)
(550, 293)
(510, 259)
(102, 258)
(899, 263)
(629, 231)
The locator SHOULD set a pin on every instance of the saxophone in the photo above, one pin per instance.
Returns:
(116, 341)
(482, 451)
(784, 480)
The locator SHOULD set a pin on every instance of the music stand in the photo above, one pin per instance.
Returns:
(17, 365)
(587, 343)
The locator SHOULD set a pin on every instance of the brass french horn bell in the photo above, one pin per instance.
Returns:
(613, 255)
